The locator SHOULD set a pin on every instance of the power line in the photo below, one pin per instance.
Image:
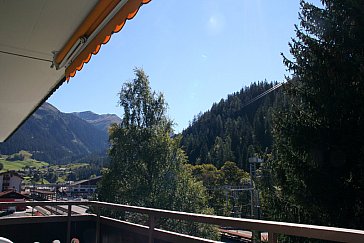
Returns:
(262, 95)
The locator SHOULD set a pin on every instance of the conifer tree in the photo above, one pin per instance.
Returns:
(319, 148)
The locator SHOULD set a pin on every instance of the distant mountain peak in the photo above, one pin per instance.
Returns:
(47, 106)
(101, 122)
(86, 115)
(53, 136)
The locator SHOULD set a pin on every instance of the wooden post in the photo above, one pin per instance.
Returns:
(151, 227)
(98, 224)
(272, 237)
(68, 239)
(255, 236)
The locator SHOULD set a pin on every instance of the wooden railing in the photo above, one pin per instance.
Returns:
(273, 228)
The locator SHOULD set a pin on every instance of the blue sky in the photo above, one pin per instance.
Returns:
(194, 51)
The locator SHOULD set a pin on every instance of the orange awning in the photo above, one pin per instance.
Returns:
(44, 43)
(90, 24)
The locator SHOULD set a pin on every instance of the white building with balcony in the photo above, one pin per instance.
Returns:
(10, 180)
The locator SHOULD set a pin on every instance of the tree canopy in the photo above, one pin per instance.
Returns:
(218, 183)
(318, 134)
(232, 131)
(147, 166)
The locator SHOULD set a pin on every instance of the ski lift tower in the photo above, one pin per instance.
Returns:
(254, 193)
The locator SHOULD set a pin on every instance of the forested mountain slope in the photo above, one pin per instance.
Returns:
(56, 137)
(231, 130)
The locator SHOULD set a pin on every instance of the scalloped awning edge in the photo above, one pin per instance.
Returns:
(127, 12)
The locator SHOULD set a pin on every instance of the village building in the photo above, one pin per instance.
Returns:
(12, 196)
(85, 187)
(10, 180)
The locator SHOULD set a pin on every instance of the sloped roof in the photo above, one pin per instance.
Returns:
(12, 194)
(92, 181)
(11, 172)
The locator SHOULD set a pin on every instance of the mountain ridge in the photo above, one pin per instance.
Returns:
(57, 137)
(100, 121)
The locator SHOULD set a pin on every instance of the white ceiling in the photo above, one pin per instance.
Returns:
(32, 28)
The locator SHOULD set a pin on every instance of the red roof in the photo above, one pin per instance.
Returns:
(11, 194)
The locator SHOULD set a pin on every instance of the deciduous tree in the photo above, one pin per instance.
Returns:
(147, 166)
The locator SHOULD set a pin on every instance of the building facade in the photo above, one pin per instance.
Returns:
(10, 180)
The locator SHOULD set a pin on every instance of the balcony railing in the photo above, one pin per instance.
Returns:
(101, 226)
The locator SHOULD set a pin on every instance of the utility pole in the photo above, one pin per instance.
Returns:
(254, 194)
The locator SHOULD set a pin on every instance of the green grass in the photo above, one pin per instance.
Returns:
(27, 180)
(21, 164)
(76, 166)
(41, 181)
(61, 180)
(69, 166)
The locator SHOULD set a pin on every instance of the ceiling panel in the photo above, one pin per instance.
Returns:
(32, 28)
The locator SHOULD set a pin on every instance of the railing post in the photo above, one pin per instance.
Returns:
(272, 237)
(68, 239)
(151, 227)
(256, 236)
(98, 223)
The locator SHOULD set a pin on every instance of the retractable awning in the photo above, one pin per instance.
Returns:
(44, 43)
